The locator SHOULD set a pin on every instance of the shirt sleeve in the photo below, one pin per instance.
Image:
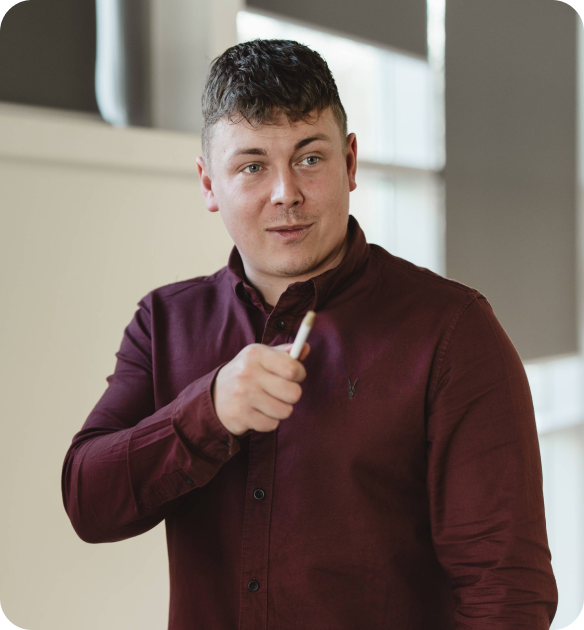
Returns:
(485, 485)
(131, 465)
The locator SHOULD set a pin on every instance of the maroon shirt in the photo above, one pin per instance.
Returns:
(404, 492)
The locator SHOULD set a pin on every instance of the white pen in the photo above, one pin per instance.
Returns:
(302, 335)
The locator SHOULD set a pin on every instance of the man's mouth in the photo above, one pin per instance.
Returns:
(290, 231)
(285, 228)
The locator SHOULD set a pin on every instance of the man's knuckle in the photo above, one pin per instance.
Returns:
(297, 392)
(246, 371)
(244, 384)
(238, 392)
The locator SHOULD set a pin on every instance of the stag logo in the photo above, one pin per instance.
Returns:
(351, 389)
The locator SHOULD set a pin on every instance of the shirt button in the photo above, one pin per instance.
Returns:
(280, 324)
(253, 586)
(227, 442)
(258, 493)
(246, 293)
(188, 480)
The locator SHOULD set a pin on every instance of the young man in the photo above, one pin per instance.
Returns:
(390, 478)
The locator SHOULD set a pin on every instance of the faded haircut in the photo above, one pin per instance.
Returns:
(257, 80)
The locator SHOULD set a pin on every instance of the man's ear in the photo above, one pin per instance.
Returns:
(351, 160)
(206, 185)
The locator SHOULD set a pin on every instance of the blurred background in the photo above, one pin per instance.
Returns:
(468, 115)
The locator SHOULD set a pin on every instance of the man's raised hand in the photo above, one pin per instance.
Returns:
(258, 387)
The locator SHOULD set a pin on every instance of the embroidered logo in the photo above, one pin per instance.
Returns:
(351, 389)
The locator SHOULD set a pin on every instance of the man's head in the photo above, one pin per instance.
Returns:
(276, 152)
(257, 79)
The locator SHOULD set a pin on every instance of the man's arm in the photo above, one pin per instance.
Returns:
(485, 479)
(129, 466)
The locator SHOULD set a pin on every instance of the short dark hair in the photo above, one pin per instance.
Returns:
(257, 79)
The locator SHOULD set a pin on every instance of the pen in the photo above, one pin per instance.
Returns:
(302, 334)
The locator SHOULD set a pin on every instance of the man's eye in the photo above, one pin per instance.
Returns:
(311, 160)
(253, 168)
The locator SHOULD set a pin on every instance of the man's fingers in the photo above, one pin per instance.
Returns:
(261, 422)
(270, 406)
(282, 364)
(286, 347)
(280, 388)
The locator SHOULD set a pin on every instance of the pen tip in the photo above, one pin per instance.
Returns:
(309, 318)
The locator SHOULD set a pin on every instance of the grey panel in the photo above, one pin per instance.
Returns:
(511, 164)
(396, 23)
(47, 54)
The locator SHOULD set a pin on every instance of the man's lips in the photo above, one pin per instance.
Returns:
(285, 228)
(290, 232)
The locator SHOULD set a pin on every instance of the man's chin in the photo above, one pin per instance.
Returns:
(295, 270)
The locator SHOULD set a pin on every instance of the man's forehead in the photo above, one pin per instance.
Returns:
(278, 126)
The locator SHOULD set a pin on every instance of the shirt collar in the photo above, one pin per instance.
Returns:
(322, 286)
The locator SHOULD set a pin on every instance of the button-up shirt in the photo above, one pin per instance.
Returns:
(404, 492)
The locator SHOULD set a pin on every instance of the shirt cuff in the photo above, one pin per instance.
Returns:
(195, 417)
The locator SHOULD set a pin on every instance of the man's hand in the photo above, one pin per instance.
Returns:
(257, 388)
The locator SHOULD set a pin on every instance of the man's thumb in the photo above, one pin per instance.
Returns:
(286, 347)
(283, 346)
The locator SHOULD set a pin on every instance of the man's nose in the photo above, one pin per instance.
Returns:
(285, 191)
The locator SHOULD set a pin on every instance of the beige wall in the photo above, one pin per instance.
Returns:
(92, 219)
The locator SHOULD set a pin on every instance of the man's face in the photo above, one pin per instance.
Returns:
(281, 175)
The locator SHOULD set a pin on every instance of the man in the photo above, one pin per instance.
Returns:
(390, 477)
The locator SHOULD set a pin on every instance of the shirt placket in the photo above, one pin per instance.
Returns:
(281, 323)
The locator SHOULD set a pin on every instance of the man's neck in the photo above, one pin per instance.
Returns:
(272, 287)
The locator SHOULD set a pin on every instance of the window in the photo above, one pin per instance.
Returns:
(391, 104)
(558, 400)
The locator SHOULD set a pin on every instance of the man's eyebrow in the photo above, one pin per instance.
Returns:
(250, 151)
(299, 145)
(303, 143)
